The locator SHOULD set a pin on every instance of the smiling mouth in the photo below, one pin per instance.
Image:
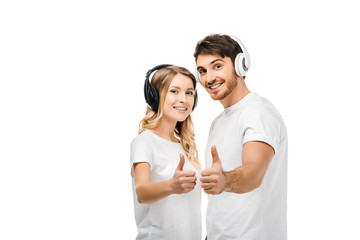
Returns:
(180, 108)
(215, 86)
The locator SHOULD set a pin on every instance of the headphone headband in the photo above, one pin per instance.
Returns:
(155, 69)
(246, 60)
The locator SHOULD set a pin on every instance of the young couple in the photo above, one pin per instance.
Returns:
(245, 174)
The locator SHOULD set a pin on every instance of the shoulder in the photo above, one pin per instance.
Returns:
(141, 139)
(260, 107)
(263, 122)
(141, 147)
(216, 120)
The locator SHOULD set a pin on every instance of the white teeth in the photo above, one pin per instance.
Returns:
(216, 86)
(181, 109)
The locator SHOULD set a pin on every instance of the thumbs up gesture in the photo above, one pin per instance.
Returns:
(183, 181)
(213, 179)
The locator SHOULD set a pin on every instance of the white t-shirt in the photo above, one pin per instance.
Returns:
(261, 213)
(177, 216)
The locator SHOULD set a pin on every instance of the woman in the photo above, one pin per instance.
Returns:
(164, 159)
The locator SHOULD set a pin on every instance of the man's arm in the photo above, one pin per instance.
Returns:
(256, 157)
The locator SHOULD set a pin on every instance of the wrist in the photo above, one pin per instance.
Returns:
(227, 177)
(170, 186)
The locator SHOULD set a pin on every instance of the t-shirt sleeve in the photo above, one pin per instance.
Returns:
(140, 151)
(262, 123)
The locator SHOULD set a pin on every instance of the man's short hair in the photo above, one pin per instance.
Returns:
(216, 44)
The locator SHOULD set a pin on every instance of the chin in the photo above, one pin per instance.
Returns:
(220, 95)
(182, 119)
(217, 96)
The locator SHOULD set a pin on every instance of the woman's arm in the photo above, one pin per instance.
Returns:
(148, 191)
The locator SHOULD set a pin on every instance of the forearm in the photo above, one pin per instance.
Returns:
(153, 191)
(241, 180)
(256, 157)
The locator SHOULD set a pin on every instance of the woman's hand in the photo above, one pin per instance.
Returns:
(183, 181)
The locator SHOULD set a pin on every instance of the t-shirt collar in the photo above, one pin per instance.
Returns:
(239, 103)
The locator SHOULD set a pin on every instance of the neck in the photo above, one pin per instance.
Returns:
(166, 130)
(238, 93)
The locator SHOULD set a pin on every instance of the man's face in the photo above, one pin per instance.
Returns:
(217, 75)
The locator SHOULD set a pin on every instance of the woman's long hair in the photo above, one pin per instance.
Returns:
(183, 130)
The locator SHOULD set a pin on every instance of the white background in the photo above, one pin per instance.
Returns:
(71, 99)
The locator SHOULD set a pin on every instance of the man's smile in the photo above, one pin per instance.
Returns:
(215, 86)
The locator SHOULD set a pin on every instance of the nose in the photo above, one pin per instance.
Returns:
(209, 78)
(182, 97)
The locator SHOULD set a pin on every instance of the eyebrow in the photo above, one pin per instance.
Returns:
(180, 87)
(212, 62)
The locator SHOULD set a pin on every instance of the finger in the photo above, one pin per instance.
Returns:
(207, 186)
(189, 173)
(188, 185)
(215, 156)
(181, 163)
(188, 179)
(209, 179)
(206, 172)
(210, 191)
(191, 179)
(206, 179)
(187, 190)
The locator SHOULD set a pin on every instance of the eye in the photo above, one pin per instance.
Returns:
(217, 66)
(173, 91)
(202, 71)
(190, 93)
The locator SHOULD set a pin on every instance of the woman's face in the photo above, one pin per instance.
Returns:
(179, 98)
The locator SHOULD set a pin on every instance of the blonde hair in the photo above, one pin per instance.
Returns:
(183, 130)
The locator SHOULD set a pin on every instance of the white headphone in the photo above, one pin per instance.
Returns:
(242, 61)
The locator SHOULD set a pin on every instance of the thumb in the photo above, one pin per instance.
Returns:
(215, 156)
(181, 163)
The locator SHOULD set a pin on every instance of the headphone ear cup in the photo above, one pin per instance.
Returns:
(243, 62)
(150, 93)
(151, 96)
(197, 76)
(239, 65)
(195, 100)
(154, 103)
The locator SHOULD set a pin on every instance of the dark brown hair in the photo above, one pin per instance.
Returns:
(216, 44)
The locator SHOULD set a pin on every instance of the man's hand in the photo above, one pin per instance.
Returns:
(213, 179)
(183, 181)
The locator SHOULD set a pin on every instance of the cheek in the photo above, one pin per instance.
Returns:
(191, 99)
(169, 100)
(228, 76)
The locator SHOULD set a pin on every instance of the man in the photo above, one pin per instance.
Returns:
(246, 153)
